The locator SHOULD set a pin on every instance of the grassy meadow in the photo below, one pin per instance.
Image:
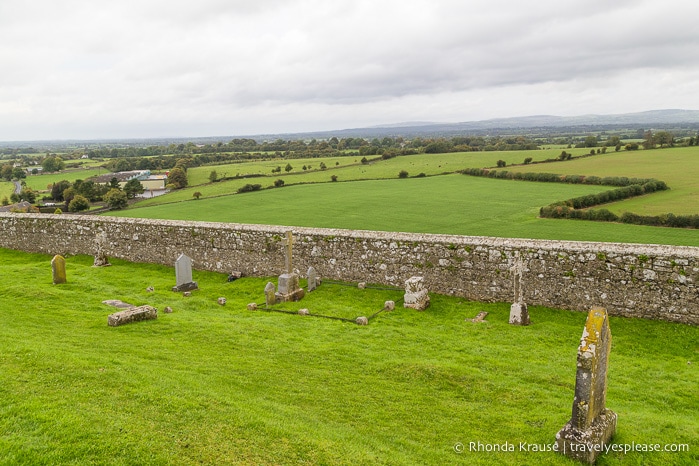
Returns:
(369, 196)
(6, 189)
(212, 384)
(44, 181)
(453, 204)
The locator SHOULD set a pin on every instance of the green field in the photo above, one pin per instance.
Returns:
(223, 385)
(6, 189)
(43, 182)
(453, 204)
(678, 167)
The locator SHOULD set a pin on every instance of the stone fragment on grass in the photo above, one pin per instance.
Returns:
(389, 305)
(252, 307)
(222, 301)
(362, 321)
(134, 314)
(303, 312)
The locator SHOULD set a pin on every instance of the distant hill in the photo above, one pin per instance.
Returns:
(527, 125)
(649, 119)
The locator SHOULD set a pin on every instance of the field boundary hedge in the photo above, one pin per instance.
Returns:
(573, 208)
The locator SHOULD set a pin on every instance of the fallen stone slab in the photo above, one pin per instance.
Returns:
(117, 303)
(134, 314)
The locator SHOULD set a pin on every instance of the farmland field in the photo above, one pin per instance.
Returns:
(44, 181)
(452, 204)
(6, 189)
(223, 385)
(678, 167)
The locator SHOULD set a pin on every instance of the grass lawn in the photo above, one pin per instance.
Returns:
(223, 385)
(452, 204)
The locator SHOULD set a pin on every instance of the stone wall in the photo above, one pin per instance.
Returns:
(650, 281)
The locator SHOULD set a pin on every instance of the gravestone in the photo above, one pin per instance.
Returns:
(183, 274)
(416, 296)
(592, 425)
(58, 269)
(288, 285)
(270, 295)
(101, 259)
(519, 314)
(134, 314)
(312, 279)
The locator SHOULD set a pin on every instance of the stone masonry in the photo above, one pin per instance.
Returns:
(649, 281)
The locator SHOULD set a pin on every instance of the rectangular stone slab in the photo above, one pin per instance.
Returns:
(135, 314)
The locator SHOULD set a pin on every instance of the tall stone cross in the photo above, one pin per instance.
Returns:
(517, 271)
(288, 242)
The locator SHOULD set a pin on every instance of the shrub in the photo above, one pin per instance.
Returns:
(80, 203)
(333, 178)
(196, 195)
(528, 160)
(501, 163)
(249, 188)
(279, 183)
(403, 174)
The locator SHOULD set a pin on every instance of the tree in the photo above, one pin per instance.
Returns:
(501, 163)
(279, 183)
(403, 174)
(333, 178)
(114, 183)
(132, 188)
(18, 173)
(323, 166)
(116, 199)
(213, 176)
(196, 195)
(288, 168)
(58, 188)
(78, 204)
(6, 172)
(528, 160)
(52, 164)
(178, 178)
(590, 141)
(5, 201)
(27, 194)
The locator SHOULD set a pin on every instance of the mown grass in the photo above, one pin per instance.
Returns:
(453, 204)
(223, 385)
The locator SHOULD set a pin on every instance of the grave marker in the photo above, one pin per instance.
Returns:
(519, 314)
(183, 273)
(312, 279)
(592, 425)
(289, 289)
(270, 296)
(416, 296)
(134, 314)
(101, 259)
(58, 269)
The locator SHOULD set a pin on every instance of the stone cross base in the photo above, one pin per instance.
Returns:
(135, 314)
(186, 287)
(289, 289)
(586, 445)
(101, 261)
(296, 295)
(519, 315)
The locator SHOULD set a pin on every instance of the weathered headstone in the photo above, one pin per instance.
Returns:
(312, 279)
(183, 274)
(479, 318)
(101, 259)
(270, 296)
(592, 425)
(58, 269)
(222, 301)
(134, 314)
(519, 314)
(288, 285)
(416, 296)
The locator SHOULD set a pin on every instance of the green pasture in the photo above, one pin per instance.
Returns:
(44, 182)
(678, 167)
(6, 189)
(350, 169)
(212, 384)
(451, 204)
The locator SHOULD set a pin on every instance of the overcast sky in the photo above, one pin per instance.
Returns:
(90, 69)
